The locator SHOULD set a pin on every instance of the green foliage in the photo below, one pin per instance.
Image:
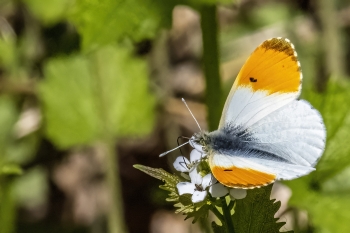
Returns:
(10, 169)
(335, 110)
(31, 190)
(49, 12)
(183, 203)
(102, 22)
(255, 213)
(84, 96)
(218, 229)
(324, 193)
(169, 180)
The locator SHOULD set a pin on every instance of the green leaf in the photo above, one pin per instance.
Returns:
(31, 189)
(86, 96)
(160, 174)
(170, 184)
(201, 210)
(11, 169)
(328, 212)
(102, 22)
(49, 12)
(255, 213)
(333, 106)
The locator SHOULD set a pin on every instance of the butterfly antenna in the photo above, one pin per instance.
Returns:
(167, 152)
(183, 100)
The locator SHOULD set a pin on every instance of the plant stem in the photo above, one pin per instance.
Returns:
(116, 223)
(227, 215)
(8, 206)
(211, 64)
(332, 45)
(115, 215)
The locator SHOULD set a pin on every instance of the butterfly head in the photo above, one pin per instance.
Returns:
(201, 141)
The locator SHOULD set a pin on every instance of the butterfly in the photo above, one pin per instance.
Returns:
(265, 133)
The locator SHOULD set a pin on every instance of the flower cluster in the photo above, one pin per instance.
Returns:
(201, 181)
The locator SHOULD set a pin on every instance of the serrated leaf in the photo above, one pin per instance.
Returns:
(101, 22)
(183, 209)
(255, 213)
(185, 199)
(159, 174)
(85, 96)
(200, 211)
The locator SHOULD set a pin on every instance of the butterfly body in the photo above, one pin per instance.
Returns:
(265, 133)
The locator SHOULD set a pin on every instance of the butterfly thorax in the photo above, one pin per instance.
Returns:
(224, 140)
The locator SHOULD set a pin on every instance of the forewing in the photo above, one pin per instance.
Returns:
(270, 79)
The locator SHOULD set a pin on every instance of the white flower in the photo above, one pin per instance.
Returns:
(238, 193)
(182, 164)
(218, 190)
(196, 146)
(197, 187)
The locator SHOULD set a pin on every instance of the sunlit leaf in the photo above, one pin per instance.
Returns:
(159, 174)
(102, 22)
(334, 107)
(49, 12)
(84, 97)
(326, 211)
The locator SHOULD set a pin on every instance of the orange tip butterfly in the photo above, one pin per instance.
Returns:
(265, 134)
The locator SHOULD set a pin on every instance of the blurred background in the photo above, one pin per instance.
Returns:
(89, 88)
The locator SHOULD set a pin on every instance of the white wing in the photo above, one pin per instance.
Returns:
(270, 79)
(284, 145)
(294, 132)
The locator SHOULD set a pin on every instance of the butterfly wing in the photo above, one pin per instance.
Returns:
(282, 146)
(276, 136)
(270, 79)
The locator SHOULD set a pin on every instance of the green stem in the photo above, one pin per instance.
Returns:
(7, 206)
(227, 216)
(115, 215)
(116, 223)
(211, 65)
(332, 45)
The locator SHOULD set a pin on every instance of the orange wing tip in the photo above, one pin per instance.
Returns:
(273, 67)
(245, 178)
(282, 45)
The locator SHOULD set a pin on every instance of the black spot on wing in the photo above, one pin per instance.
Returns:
(253, 80)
